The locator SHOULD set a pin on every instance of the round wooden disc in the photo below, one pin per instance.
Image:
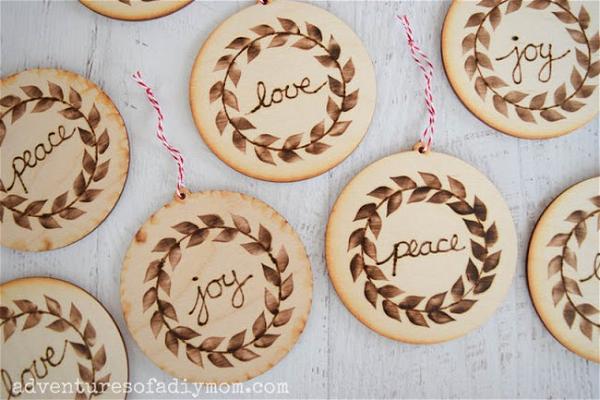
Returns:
(216, 287)
(283, 91)
(135, 10)
(421, 248)
(528, 68)
(65, 156)
(564, 268)
(56, 334)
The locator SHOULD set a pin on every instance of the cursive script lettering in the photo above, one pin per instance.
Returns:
(30, 159)
(413, 248)
(530, 53)
(279, 94)
(46, 361)
(213, 290)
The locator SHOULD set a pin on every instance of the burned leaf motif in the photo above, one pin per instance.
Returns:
(470, 66)
(216, 91)
(475, 19)
(483, 37)
(500, 105)
(538, 101)
(525, 114)
(304, 43)
(263, 30)
(238, 43)
(17, 112)
(283, 317)
(279, 40)
(9, 101)
(32, 91)
(391, 310)
(370, 292)
(42, 105)
(416, 318)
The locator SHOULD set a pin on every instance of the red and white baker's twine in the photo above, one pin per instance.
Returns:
(427, 67)
(176, 154)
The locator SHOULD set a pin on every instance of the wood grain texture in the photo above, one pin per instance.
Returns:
(511, 356)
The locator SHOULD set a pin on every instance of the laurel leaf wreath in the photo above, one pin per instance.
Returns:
(560, 102)
(267, 145)
(220, 351)
(440, 308)
(86, 347)
(567, 287)
(91, 165)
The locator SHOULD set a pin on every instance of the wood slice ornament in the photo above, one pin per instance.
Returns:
(58, 342)
(135, 10)
(564, 268)
(420, 246)
(65, 157)
(216, 286)
(528, 68)
(282, 91)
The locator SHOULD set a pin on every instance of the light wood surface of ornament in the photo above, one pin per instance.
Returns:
(56, 334)
(135, 10)
(527, 68)
(216, 287)
(564, 268)
(65, 156)
(421, 248)
(283, 91)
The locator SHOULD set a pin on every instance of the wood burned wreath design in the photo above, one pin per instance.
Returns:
(577, 27)
(264, 145)
(568, 287)
(86, 347)
(237, 346)
(95, 170)
(437, 309)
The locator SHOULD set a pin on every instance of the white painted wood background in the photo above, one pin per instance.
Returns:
(511, 356)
